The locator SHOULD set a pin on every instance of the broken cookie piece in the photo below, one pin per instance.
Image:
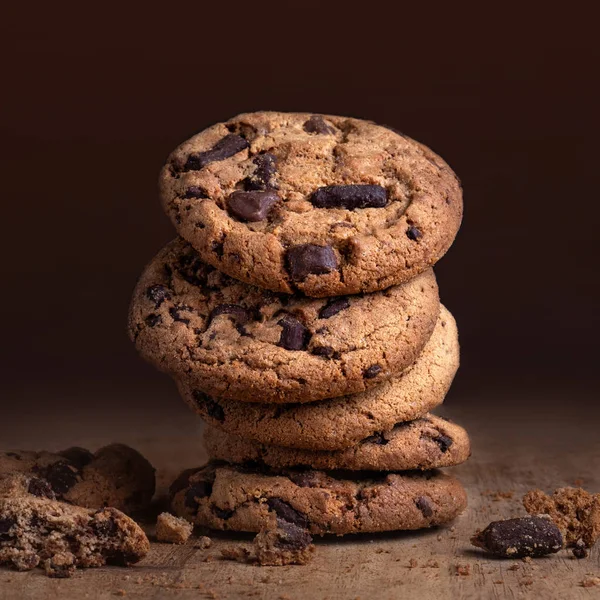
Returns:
(575, 512)
(518, 538)
(59, 537)
(284, 544)
(171, 529)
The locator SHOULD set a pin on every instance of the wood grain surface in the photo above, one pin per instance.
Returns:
(520, 443)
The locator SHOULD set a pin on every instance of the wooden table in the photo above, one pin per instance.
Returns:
(520, 442)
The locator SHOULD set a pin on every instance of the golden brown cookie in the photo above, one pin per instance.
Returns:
(323, 205)
(232, 340)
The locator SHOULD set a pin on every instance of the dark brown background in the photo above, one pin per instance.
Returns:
(93, 102)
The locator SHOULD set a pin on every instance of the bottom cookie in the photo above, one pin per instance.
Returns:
(237, 498)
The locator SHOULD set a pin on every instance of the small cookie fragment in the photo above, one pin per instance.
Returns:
(203, 543)
(237, 553)
(172, 529)
(285, 544)
(575, 512)
(518, 538)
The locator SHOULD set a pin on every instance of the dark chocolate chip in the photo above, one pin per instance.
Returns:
(294, 335)
(517, 538)
(286, 512)
(414, 233)
(152, 320)
(80, 457)
(105, 527)
(580, 549)
(316, 124)
(290, 536)
(326, 351)
(444, 442)
(225, 148)
(223, 513)
(176, 313)
(40, 488)
(239, 314)
(309, 259)
(158, 294)
(377, 438)
(61, 476)
(200, 489)
(195, 192)
(217, 248)
(372, 371)
(263, 176)
(424, 505)
(6, 524)
(307, 479)
(333, 307)
(252, 206)
(350, 197)
(213, 408)
(192, 269)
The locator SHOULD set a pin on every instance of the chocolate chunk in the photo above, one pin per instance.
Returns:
(377, 438)
(77, 456)
(317, 124)
(306, 479)
(152, 320)
(195, 192)
(158, 294)
(225, 148)
(176, 313)
(223, 513)
(104, 527)
(263, 176)
(372, 371)
(350, 196)
(290, 536)
(286, 512)
(61, 476)
(424, 505)
(192, 269)
(213, 408)
(580, 550)
(217, 248)
(444, 442)
(414, 233)
(200, 489)
(326, 351)
(333, 307)
(239, 314)
(252, 206)
(6, 523)
(309, 259)
(294, 335)
(516, 538)
(40, 488)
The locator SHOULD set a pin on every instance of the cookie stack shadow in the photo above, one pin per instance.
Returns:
(298, 313)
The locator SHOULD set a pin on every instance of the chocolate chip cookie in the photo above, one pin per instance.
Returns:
(36, 530)
(322, 205)
(229, 339)
(248, 499)
(115, 475)
(342, 422)
(426, 443)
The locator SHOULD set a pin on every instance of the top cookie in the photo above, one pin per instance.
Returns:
(323, 205)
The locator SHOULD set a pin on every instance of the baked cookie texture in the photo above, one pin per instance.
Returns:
(115, 475)
(37, 530)
(340, 423)
(426, 443)
(322, 205)
(240, 342)
(248, 499)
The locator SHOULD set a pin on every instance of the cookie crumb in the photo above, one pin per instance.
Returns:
(286, 544)
(579, 549)
(203, 543)
(589, 582)
(172, 530)
(463, 570)
(237, 553)
(412, 563)
(120, 593)
(514, 567)
(527, 581)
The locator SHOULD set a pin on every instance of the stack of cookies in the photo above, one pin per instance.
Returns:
(299, 315)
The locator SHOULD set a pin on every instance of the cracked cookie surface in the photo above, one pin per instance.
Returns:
(115, 475)
(339, 423)
(426, 443)
(229, 339)
(248, 499)
(323, 205)
(37, 530)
